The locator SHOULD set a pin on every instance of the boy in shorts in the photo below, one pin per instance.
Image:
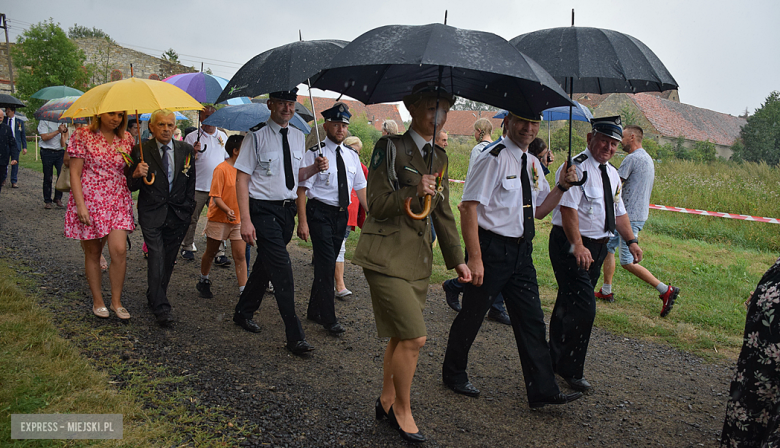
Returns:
(224, 220)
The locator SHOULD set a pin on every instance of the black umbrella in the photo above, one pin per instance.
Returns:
(281, 68)
(594, 60)
(9, 101)
(383, 65)
(300, 109)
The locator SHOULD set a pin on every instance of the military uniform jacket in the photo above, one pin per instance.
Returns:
(392, 243)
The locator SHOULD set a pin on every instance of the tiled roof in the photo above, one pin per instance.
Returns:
(461, 122)
(673, 119)
(377, 113)
(593, 100)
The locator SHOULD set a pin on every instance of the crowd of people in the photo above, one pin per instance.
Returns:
(255, 184)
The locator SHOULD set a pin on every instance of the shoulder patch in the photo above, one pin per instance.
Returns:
(496, 150)
(258, 126)
(580, 158)
(377, 158)
(348, 147)
(315, 147)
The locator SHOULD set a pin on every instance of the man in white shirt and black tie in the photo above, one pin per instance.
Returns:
(324, 215)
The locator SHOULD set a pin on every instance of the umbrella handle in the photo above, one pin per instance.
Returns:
(422, 215)
(581, 181)
(149, 182)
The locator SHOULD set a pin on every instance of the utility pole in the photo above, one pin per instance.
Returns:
(4, 25)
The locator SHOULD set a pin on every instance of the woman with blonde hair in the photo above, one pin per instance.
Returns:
(100, 209)
(356, 217)
(389, 127)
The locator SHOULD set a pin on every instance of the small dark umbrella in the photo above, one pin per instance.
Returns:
(54, 92)
(245, 116)
(300, 109)
(383, 65)
(53, 109)
(594, 60)
(9, 101)
(281, 68)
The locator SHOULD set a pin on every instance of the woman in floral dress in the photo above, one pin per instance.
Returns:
(753, 410)
(100, 208)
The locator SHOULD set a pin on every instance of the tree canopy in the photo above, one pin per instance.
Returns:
(761, 135)
(46, 57)
(77, 32)
(171, 55)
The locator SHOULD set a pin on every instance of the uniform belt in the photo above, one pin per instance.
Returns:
(334, 208)
(507, 239)
(585, 239)
(284, 203)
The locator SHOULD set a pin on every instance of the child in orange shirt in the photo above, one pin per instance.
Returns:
(224, 220)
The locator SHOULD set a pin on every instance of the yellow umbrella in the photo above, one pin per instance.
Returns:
(132, 94)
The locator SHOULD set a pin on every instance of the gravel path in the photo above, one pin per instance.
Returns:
(645, 394)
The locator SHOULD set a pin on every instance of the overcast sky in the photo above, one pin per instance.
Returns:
(724, 55)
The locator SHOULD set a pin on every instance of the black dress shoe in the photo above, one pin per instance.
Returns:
(466, 388)
(380, 410)
(499, 316)
(452, 295)
(164, 319)
(335, 329)
(246, 324)
(555, 399)
(299, 347)
(409, 438)
(580, 384)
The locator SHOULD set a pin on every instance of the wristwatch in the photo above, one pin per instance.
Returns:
(630, 242)
(560, 187)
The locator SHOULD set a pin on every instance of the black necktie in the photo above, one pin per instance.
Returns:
(288, 174)
(609, 203)
(165, 166)
(342, 176)
(528, 209)
(426, 151)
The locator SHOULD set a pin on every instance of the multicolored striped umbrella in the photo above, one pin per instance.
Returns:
(53, 109)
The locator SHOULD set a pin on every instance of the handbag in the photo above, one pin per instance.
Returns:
(63, 182)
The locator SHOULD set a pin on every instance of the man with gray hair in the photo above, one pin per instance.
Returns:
(165, 204)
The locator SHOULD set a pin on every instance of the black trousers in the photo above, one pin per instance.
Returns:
(327, 225)
(163, 244)
(274, 225)
(575, 307)
(51, 159)
(509, 270)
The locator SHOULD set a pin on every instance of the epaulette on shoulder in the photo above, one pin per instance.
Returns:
(613, 166)
(349, 147)
(580, 158)
(258, 126)
(316, 148)
(496, 150)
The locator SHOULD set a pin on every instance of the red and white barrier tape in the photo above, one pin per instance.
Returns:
(698, 212)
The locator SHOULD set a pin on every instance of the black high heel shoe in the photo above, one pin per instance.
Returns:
(380, 410)
(410, 438)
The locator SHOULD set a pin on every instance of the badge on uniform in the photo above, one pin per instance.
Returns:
(378, 158)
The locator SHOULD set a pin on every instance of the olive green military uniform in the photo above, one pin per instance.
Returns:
(395, 250)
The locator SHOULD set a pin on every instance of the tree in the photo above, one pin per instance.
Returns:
(560, 141)
(171, 55)
(761, 135)
(367, 133)
(46, 57)
(464, 104)
(78, 32)
(629, 116)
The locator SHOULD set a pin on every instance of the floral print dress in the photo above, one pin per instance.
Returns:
(753, 410)
(103, 184)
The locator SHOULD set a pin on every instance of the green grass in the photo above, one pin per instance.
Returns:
(42, 373)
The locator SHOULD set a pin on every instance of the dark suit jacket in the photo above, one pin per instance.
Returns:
(8, 147)
(154, 200)
(21, 136)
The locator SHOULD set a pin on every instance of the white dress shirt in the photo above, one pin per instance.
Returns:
(262, 158)
(324, 186)
(210, 158)
(495, 182)
(588, 199)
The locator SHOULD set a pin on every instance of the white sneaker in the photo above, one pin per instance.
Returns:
(192, 248)
(343, 293)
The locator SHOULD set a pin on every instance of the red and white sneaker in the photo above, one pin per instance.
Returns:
(605, 297)
(668, 298)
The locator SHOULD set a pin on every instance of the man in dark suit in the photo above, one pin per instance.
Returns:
(164, 206)
(7, 149)
(17, 128)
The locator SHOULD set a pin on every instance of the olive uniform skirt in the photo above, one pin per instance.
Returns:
(398, 305)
